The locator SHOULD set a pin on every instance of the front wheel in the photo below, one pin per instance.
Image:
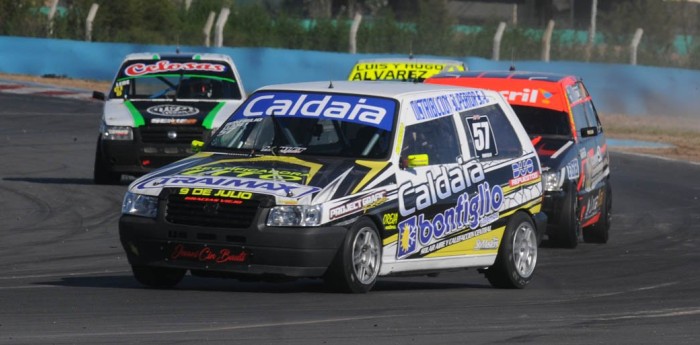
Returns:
(567, 235)
(517, 255)
(356, 266)
(158, 277)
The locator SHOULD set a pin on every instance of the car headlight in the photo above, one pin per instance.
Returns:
(116, 132)
(298, 215)
(140, 205)
(553, 180)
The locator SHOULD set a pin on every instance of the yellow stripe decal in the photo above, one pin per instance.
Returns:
(375, 168)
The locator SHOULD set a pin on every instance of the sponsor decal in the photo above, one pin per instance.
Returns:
(400, 70)
(472, 212)
(217, 193)
(377, 112)
(389, 220)
(240, 171)
(573, 92)
(479, 210)
(487, 244)
(454, 240)
(359, 204)
(160, 121)
(523, 171)
(283, 149)
(119, 87)
(439, 187)
(277, 188)
(231, 126)
(444, 105)
(572, 169)
(164, 66)
(527, 95)
(594, 204)
(172, 110)
(207, 254)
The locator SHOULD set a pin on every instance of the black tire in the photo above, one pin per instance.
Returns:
(599, 232)
(517, 255)
(102, 174)
(158, 277)
(357, 263)
(568, 234)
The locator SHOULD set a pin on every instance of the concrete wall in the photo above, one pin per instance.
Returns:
(633, 90)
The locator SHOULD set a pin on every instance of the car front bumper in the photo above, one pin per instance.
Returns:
(257, 250)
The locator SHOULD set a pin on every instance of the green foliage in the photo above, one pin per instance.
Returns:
(23, 18)
(427, 28)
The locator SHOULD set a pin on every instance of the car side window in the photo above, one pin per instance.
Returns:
(580, 117)
(490, 133)
(592, 116)
(436, 138)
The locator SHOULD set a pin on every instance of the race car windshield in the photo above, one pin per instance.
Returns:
(200, 80)
(303, 136)
(544, 122)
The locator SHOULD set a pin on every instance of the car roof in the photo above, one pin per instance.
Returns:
(388, 89)
(167, 56)
(517, 75)
(411, 59)
(534, 89)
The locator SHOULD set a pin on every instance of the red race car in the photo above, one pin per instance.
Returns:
(559, 116)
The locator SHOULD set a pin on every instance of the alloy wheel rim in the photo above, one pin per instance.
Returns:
(365, 255)
(525, 250)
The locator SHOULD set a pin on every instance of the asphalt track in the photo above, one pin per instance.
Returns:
(64, 278)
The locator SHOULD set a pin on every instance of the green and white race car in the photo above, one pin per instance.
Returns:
(157, 105)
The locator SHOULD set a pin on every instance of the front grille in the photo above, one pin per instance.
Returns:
(209, 213)
(164, 134)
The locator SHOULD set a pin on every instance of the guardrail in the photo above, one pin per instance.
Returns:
(625, 89)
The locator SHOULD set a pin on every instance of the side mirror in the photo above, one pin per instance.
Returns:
(197, 145)
(419, 160)
(589, 132)
(98, 95)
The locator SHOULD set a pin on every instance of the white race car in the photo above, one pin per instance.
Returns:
(348, 181)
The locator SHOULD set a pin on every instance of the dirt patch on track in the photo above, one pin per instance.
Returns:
(90, 85)
(681, 132)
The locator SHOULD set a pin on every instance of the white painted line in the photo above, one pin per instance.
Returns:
(562, 149)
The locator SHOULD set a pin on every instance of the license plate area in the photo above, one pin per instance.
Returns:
(205, 255)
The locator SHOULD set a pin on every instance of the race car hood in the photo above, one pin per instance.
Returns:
(136, 113)
(554, 152)
(290, 179)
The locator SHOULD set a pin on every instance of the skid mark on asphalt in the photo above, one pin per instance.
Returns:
(209, 329)
(58, 275)
(648, 314)
(643, 288)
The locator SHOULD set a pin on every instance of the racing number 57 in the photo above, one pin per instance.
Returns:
(482, 136)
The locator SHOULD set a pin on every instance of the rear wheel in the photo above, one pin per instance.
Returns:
(158, 277)
(102, 172)
(598, 232)
(517, 255)
(356, 266)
